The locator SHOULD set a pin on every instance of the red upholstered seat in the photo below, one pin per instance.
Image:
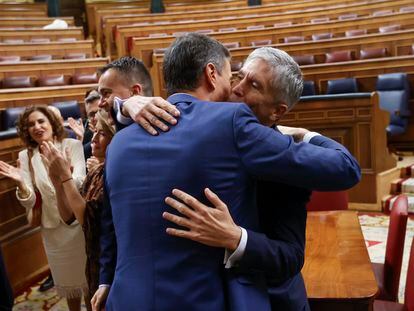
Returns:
(157, 35)
(205, 31)
(338, 56)
(254, 27)
(355, 32)
(10, 58)
(41, 57)
(261, 42)
(382, 13)
(53, 80)
(228, 29)
(328, 201)
(236, 66)
(66, 39)
(388, 274)
(13, 41)
(319, 20)
(322, 36)
(75, 56)
(304, 59)
(159, 50)
(373, 53)
(17, 82)
(390, 28)
(84, 78)
(383, 305)
(293, 39)
(407, 9)
(284, 24)
(347, 16)
(40, 40)
(231, 45)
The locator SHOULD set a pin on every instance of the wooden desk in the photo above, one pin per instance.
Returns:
(337, 271)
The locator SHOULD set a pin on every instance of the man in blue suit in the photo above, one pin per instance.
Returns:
(155, 271)
(279, 248)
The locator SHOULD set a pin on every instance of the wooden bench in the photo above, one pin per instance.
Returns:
(54, 48)
(111, 19)
(123, 31)
(359, 124)
(32, 21)
(19, 12)
(38, 69)
(52, 34)
(143, 47)
(42, 7)
(42, 95)
(142, 7)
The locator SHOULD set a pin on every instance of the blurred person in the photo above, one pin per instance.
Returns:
(86, 204)
(62, 235)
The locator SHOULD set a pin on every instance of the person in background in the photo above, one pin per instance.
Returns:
(62, 235)
(86, 204)
(84, 132)
(6, 293)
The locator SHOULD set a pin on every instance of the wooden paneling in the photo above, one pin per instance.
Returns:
(52, 34)
(56, 49)
(31, 21)
(341, 119)
(125, 31)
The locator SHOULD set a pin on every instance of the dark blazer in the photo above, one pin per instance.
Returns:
(218, 145)
(6, 293)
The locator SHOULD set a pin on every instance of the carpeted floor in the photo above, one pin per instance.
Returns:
(374, 228)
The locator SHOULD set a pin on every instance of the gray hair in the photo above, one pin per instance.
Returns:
(287, 81)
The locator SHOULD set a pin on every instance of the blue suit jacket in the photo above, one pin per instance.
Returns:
(218, 145)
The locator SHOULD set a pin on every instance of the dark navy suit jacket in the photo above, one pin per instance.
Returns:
(218, 145)
(6, 294)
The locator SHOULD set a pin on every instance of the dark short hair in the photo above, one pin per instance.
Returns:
(133, 71)
(186, 58)
(92, 96)
(23, 130)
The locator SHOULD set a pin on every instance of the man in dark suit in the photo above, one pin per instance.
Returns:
(268, 85)
(155, 271)
(6, 294)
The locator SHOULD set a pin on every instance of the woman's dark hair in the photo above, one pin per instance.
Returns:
(23, 131)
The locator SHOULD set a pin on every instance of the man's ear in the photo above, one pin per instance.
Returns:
(278, 112)
(210, 75)
(136, 89)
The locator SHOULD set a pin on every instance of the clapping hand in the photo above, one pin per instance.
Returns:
(77, 128)
(91, 163)
(12, 172)
(57, 163)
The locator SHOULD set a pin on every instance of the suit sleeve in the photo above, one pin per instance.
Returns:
(108, 243)
(272, 156)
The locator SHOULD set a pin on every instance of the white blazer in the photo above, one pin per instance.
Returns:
(50, 214)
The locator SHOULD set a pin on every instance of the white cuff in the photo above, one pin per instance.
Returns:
(309, 135)
(231, 259)
(104, 285)
(118, 109)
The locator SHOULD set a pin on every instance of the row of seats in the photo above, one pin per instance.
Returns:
(36, 40)
(40, 57)
(9, 116)
(318, 20)
(332, 57)
(49, 80)
(394, 95)
(290, 39)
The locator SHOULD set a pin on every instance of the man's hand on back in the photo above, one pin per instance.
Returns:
(296, 132)
(151, 113)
